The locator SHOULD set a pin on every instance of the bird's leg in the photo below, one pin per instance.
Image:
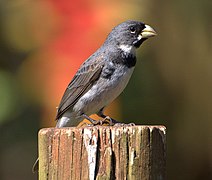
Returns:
(108, 119)
(93, 121)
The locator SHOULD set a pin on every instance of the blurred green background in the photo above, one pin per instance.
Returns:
(43, 42)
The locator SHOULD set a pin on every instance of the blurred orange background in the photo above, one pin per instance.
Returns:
(43, 43)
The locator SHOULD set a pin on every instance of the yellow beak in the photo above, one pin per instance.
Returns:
(148, 32)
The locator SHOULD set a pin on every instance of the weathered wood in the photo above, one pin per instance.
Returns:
(102, 152)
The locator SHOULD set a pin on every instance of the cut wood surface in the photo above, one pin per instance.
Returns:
(102, 152)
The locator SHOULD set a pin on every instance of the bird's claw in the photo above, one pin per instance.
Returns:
(124, 124)
(111, 121)
(108, 121)
(131, 124)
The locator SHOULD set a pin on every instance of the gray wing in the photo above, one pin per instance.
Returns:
(80, 84)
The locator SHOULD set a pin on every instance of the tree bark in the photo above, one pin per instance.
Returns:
(102, 152)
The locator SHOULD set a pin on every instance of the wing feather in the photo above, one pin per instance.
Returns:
(80, 84)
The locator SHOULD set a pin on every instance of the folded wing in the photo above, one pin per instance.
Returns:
(86, 76)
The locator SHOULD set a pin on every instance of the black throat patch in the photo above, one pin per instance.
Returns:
(129, 59)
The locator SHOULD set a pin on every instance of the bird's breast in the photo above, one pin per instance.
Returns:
(104, 91)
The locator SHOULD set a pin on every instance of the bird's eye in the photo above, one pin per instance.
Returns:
(132, 29)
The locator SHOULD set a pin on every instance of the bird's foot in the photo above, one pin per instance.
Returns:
(110, 121)
(124, 124)
(93, 122)
(84, 123)
(107, 121)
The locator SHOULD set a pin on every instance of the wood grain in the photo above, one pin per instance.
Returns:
(102, 152)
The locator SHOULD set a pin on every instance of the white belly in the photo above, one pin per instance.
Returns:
(103, 92)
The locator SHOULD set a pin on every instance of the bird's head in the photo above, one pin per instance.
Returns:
(130, 34)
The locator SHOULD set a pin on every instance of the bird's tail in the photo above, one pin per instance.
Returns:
(35, 167)
(68, 121)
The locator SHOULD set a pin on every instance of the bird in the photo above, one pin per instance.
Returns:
(103, 76)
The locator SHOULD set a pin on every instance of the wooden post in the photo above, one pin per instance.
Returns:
(102, 152)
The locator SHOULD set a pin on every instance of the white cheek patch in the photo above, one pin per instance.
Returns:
(139, 37)
(127, 49)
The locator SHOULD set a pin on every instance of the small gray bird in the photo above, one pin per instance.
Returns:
(103, 76)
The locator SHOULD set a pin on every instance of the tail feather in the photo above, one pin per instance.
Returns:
(68, 121)
(35, 167)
